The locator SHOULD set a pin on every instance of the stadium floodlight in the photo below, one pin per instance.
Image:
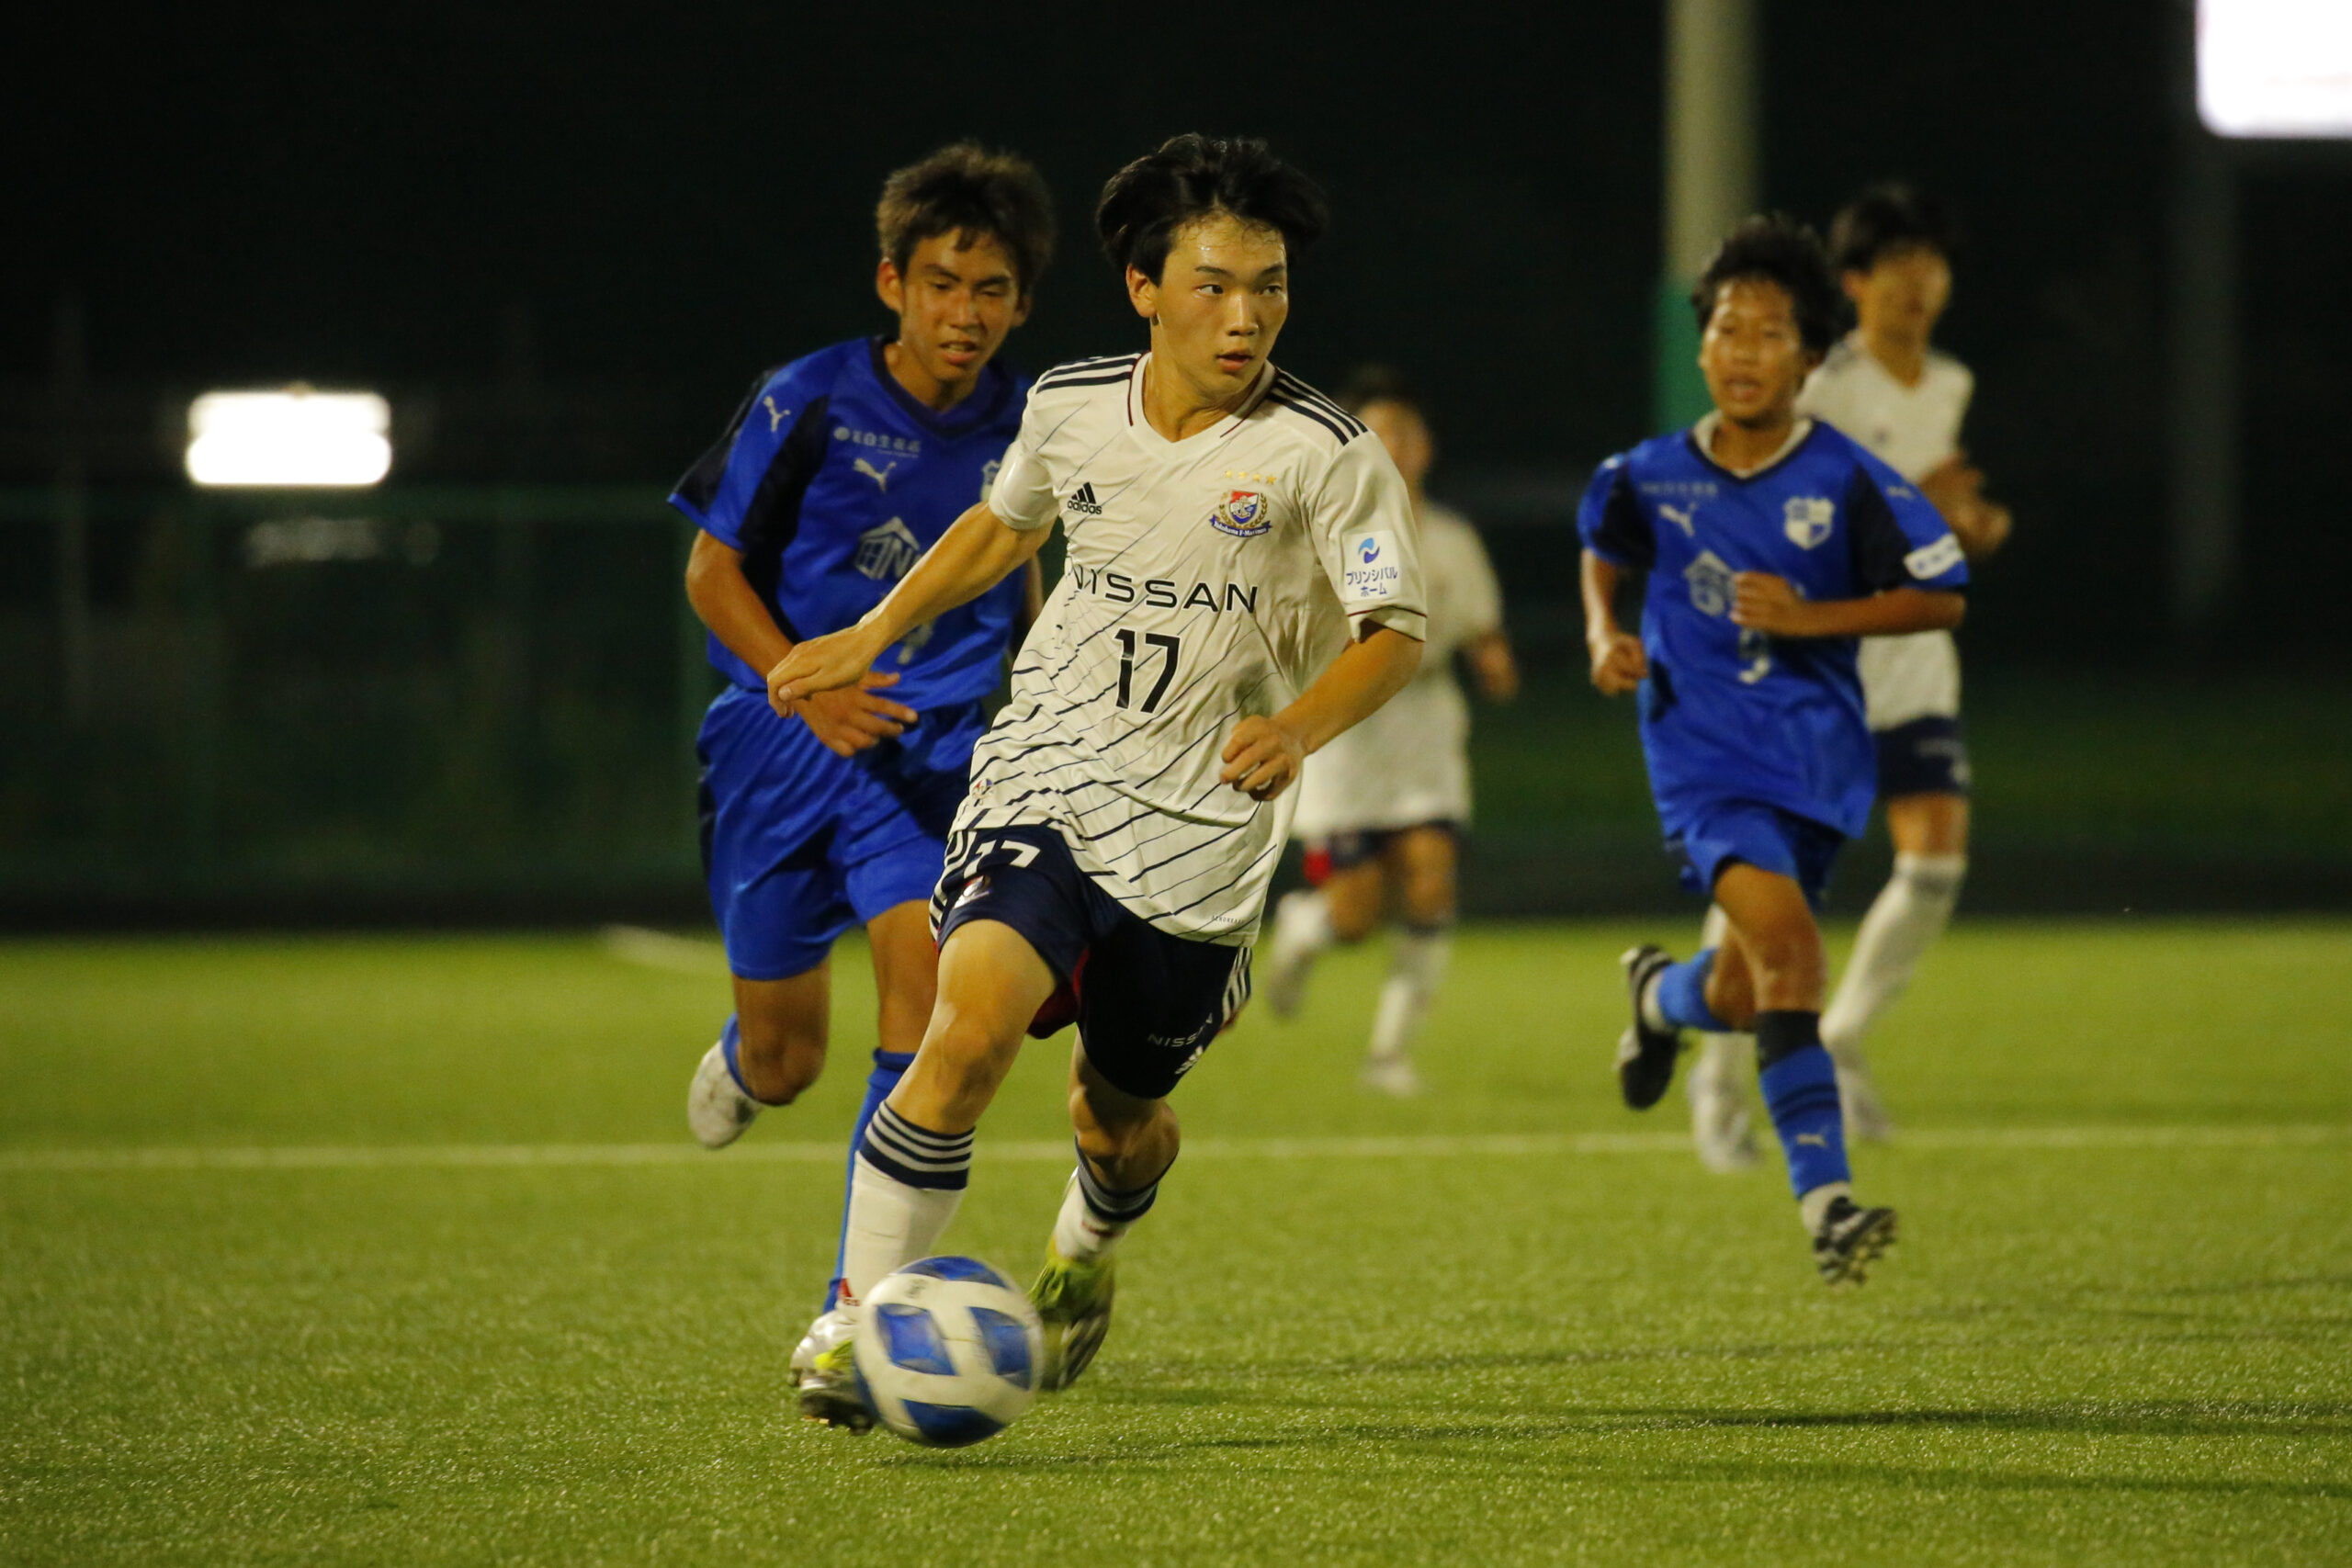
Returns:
(293, 436)
(2275, 68)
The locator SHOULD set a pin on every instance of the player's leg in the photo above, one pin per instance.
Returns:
(1924, 779)
(1347, 894)
(1774, 968)
(1931, 834)
(1420, 867)
(1717, 1086)
(1149, 1004)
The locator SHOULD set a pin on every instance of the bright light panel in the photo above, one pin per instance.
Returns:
(291, 437)
(2275, 68)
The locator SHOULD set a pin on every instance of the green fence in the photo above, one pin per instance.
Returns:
(479, 703)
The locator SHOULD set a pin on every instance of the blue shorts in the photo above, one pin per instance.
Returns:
(1147, 1004)
(1750, 833)
(1926, 756)
(799, 845)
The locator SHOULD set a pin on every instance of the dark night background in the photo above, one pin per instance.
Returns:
(435, 195)
(563, 240)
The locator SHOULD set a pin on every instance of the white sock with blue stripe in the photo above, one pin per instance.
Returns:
(903, 1190)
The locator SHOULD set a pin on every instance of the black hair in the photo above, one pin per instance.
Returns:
(1370, 384)
(1189, 176)
(1778, 249)
(967, 191)
(1890, 216)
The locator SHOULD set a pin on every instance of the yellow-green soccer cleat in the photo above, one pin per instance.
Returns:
(1074, 1301)
(830, 1394)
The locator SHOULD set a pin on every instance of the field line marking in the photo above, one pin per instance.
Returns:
(649, 949)
(1440, 1147)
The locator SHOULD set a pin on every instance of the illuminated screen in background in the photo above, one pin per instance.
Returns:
(2277, 68)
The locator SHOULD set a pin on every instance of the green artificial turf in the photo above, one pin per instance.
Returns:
(2085, 1348)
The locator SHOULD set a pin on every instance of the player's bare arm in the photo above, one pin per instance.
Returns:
(1264, 754)
(1764, 603)
(974, 554)
(1618, 662)
(845, 722)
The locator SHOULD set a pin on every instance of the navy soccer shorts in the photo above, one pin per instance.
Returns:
(1748, 833)
(1926, 756)
(799, 845)
(1332, 852)
(1147, 1004)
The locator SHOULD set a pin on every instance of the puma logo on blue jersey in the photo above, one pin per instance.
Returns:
(880, 476)
(1681, 517)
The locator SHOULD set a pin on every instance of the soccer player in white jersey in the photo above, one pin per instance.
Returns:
(1382, 808)
(1887, 387)
(1241, 584)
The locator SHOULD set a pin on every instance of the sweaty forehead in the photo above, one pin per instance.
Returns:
(964, 252)
(1223, 238)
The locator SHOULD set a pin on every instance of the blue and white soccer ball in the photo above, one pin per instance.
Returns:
(948, 1352)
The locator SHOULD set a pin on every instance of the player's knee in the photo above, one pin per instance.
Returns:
(1787, 959)
(1354, 914)
(968, 1050)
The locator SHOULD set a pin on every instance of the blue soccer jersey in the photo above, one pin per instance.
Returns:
(831, 481)
(1728, 714)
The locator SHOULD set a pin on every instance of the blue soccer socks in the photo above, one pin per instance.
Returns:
(1800, 1086)
(1680, 994)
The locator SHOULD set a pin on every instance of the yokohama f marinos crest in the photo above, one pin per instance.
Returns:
(1242, 513)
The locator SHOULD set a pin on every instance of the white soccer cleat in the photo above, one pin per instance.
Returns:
(1283, 984)
(1721, 1128)
(1867, 1119)
(1392, 1075)
(716, 1109)
(824, 1374)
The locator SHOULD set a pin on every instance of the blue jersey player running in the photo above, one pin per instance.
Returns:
(836, 474)
(1770, 544)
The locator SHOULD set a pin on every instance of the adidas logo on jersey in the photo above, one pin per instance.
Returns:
(1081, 501)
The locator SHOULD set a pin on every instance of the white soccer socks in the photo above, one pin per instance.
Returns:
(1418, 956)
(1094, 1215)
(1302, 934)
(903, 1189)
(1909, 913)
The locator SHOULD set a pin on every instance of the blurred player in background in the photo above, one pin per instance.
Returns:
(829, 809)
(1885, 386)
(1382, 808)
(1241, 587)
(1770, 544)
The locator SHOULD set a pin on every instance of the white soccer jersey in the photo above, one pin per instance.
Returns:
(1408, 763)
(1914, 429)
(1204, 580)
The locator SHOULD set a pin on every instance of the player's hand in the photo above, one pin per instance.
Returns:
(1498, 671)
(1953, 486)
(1618, 663)
(1987, 529)
(1763, 602)
(1261, 758)
(853, 718)
(822, 664)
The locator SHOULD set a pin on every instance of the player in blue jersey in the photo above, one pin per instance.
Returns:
(1770, 544)
(836, 474)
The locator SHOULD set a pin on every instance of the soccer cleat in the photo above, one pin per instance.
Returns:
(1721, 1128)
(1851, 1239)
(1292, 959)
(1073, 1300)
(1644, 1055)
(716, 1108)
(825, 1367)
(1392, 1075)
(1867, 1119)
